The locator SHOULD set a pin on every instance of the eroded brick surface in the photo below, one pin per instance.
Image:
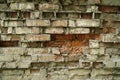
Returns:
(59, 40)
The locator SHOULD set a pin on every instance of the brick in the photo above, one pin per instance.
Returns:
(53, 43)
(10, 30)
(12, 72)
(40, 37)
(110, 38)
(13, 23)
(92, 9)
(60, 23)
(24, 64)
(94, 1)
(3, 6)
(10, 65)
(8, 43)
(55, 50)
(39, 74)
(5, 37)
(88, 23)
(54, 30)
(98, 51)
(79, 31)
(72, 23)
(46, 58)
(63, 37)
(37, 22)
(92, 57)
(22, 6)
(93, 43)
(86, 15)
(109, 64)
(96, 72)
(23, 30)
(118, 64)
(80, 72)
(38, 51)
(109, 8)
(12, 50)
(111, 2)
(110, 16)
(6, 58)
(35, 15)
(112, 50)
(49, 7)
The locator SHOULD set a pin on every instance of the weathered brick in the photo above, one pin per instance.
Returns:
(10, 65)
(49, 7)
(12, 50)
(46, 58)
(23, 30)
(109, 64)
(79, 30)
(93, 43)
(72, 23)
(109, 8)
(3, 6)
(24, 64)
(38, 51)
(110, 38)
(92, 9)
(38, 22)
(60, 23)
(54, 30)
(88, 23)
(94, 1)
(35, 15)
(13, 23)
(111, 2)
(55, 50)
(40, 37)
(112, 50)
(6, 58)
(22, 6)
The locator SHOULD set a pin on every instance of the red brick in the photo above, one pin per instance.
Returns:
(8, 43)
(53, 44)
(109, 8)
(26, 14)
(79, 43)
(86, 15)
(63, 37)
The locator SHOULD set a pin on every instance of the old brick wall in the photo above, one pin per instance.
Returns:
(59, 39)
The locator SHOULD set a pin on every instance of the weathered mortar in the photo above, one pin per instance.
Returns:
(59, 40)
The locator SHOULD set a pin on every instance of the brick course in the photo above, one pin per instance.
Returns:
(59, 40)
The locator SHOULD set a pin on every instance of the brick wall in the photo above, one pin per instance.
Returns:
(59, 39)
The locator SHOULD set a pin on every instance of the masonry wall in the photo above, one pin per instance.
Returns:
(59, 39)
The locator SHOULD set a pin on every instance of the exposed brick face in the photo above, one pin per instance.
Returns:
(59, 39)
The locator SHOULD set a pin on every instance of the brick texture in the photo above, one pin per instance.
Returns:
(59, 39)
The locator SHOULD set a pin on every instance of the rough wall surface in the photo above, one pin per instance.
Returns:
(59, 39)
